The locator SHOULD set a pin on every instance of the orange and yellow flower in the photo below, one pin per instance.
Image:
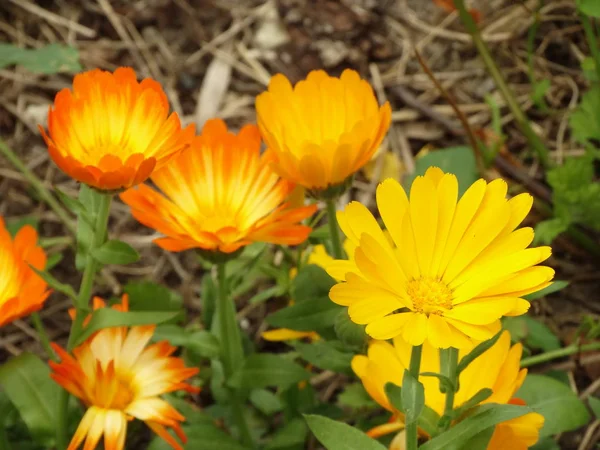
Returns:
(219, 195)
(111, 131)
(324, 129)
(496, 369)
(455, 267)
(119, 377)
(22, 291)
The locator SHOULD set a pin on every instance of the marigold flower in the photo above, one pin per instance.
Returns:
(220, 195)
(323, 130)
(496, 369)
(22, 291)
(110, 131)
(455, 268)
(119, 377)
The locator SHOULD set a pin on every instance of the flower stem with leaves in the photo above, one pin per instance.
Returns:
(412, 436)
(98, 237)
(232, 352)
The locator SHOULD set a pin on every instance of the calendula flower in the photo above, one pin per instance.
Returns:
(119, 377)
(22, 291)
(323, 130)
(110, 132)
(496, 369)
(219, 195)
(455, 266)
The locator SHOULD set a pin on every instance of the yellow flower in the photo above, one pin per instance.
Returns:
(454, 268)
(118, 377)
(324, 129)
(496, 369)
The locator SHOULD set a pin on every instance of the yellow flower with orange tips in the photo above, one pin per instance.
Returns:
(455, 266)
(323, 130)
(219, 195)
(496, 369)
(22, 291)
(119, 377)
(111, 131)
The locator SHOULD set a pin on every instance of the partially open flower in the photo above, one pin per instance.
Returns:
(220, 195)
(496, 369)
(323, 130)
(119, 377)
(22, 291)
(454, 266)
(111, 131)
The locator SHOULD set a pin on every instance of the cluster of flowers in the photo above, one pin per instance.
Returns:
(442, 274)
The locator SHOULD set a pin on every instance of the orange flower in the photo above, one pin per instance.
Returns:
(22, 291)
(111, 132)
(323, 130)
(220, 195)
(119, 377)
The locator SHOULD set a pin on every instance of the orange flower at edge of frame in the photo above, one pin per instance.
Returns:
(111, 131)
(119, 377)
(22, 291)
(220, 195)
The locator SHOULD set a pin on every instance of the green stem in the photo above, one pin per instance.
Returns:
(334, 230)
(412, 434)
(43, 336)
(232, 352)
(592, 40)
(82, 306)
(559, 353)
(450, 361)
(38, 185)
(534, 140)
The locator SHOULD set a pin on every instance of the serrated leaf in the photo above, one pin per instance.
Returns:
(340, 436)
(560, 406)
(264, 370)
(459, 161)
(26, 381)
(108, 317)
(115, 252)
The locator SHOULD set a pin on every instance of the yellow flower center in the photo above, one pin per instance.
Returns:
(429, 295)
(123, 394)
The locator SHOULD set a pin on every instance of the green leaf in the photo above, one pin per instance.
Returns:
(560, 406)
(108, 317)
(292, 433)
(51, 59)
(476, 353)
(585, 120)
(588, 67)
(14, 225)
(53, 260)
(350, 333)
(548, 230)
(55, 284)
(355, 396)
(478, 397)
(149, 296)
(556, 286)
(457, 160)
(340, 436)
(264, 370)
(202, 435)
(483, 417)
(325, 355)
(595, 406)
(309, 315)
(73, 204)
(446, 383)
(427, 419)
(590, 8)
(201, 342)
(311, 282)
(533, 332)
(546, 444)
(115, 252)
(413, 397)
(266, 401)
(394, 395)
(85, 233)
(27, 383)
(209, 300)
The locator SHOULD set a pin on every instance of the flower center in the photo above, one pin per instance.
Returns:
(429, 295)
(123, 394)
